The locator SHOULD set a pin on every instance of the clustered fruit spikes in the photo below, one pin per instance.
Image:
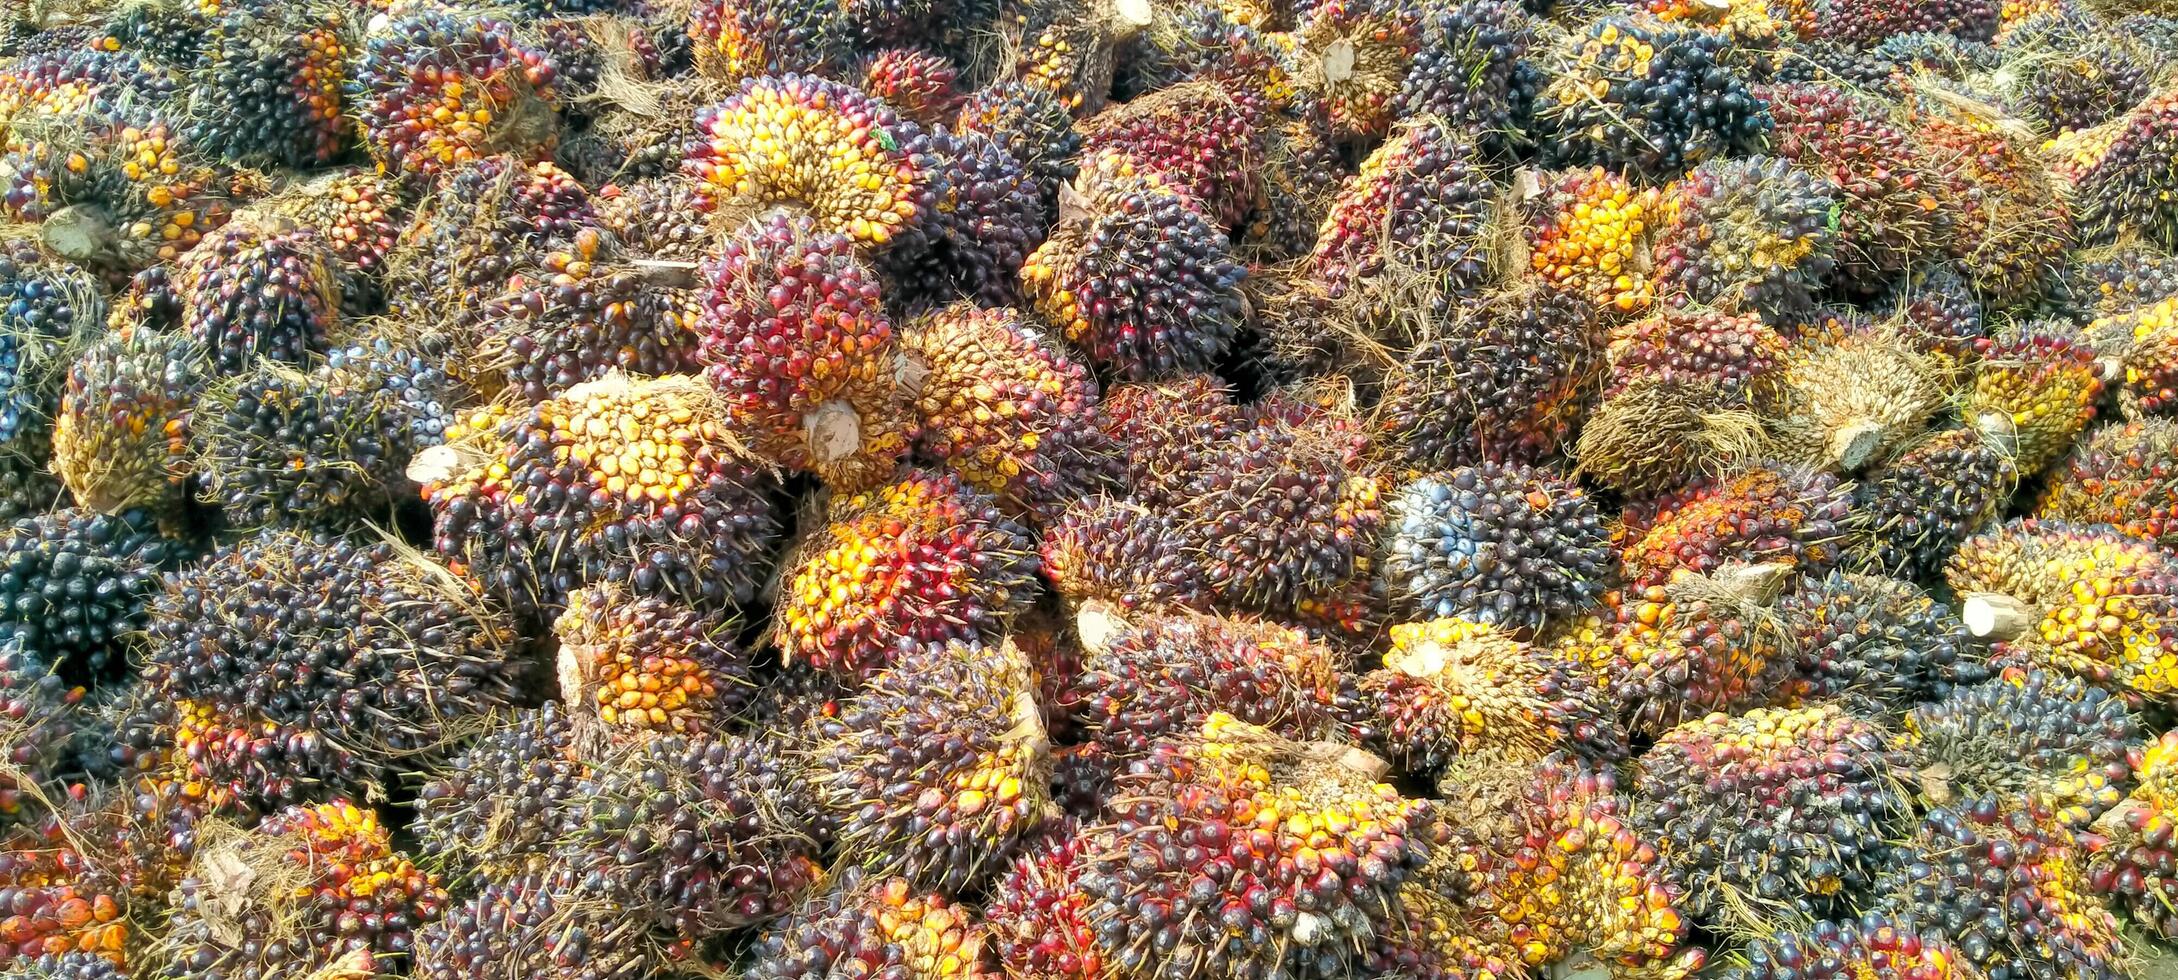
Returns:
(438, 89)
(1887, 207)
(2129, 847)
(270, 91)
(1162, 677)
(1468, 70)
(1508, 545)
(1871, 945)
(1356, 53)
(2026, 734)
(1502, 380)
(1696, 644)
(646, 664)
(509, 795)
(1760, 514)
(1853, 397)
(1452, 687)
(1420, 206)
(74, 585)
(579, 316)
(554, 921)
(251, 292)
(1880, 644)
(938, 768)
(1753, 235)
(1196, 138)
(277, 447)
(2145, 342)
(1649, 97)
(2083, 600)
(2122, 475)
(1589, 234)
(2032, 393)
(865, 924)
(1914, 510)
(923, 560)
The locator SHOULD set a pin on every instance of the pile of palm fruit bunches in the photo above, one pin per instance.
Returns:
(1088, 489)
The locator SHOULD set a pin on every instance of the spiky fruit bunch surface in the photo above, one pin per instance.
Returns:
(876, 926)
(1468, 69)
(735, 40)
(1554, 863)
(1649, 98)
(483, 221)
(278, 447)
(1420, 206)
(438, 89)
(1696, 644)
(44, 302)
(74, 583)
(2008, 888)
(1035, 908)
(1509, 545)
(1589, 235)
(919, 561)
(1913, 510)
(845, 157)
(1452, 687)
(1872, 945)
(41, 714)
(321, 888)
(1354, 54)
(1652, 434)
(1754, 235)
(2084, 600)
(917, 83)
(552, 921)
(1310, 850)
(2033, 392)
(1031, 123)
(364, 652)
(1196, 138)
(1887, 212)
(1852, 397)
(695, 834)
(1760, 514)
(646, 664)
(580, 316)
(2123, 475)
(798, 344)
(2114, 177)
(1136, 275)
(60, 904)
(2026, 735)
(358, 213)
(1868, 23)
(938, 768)
(2130, 850)
(2010, 227)
(987, 217)
(1788, 807)
(1004, 407)
(1162, 676)
(509, 795)
(67, 966)
(270, 91)
(117, 192)
(1736, 352)
(250, 292)
(1503, 380)
(2148, 341)
(628, 482)
(1871, 640)
(2104, 282)
(1120, 552)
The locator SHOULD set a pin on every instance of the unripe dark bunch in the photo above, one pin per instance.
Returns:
(44, 303)
(486, 220)
(1468, 70)
(1503, 379)
(1162, 677)
(1881, 644)
(2027, 735)
(1747, 236)
(74, 584)
(272, 86)
(1420, 206)
(259, 290)
(276, 446)
(578, 316)
(1508, 545)
(1652, 98)
(510, 795)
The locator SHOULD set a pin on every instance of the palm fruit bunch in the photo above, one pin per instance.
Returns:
(2011, 229)
(1311, 851)
(1136, 275)
(1163, 675)
(311, 889)
(60, 904)
(868, 925)
(270, 91)
(2106, 281)
(1072, 51)
(1871, 945)
(1556, 865)
(796, 341)
(848, 159)
(2129, 857)
(646, 664)
(2033, 391)
(1589, 234)
(348, 657)
(734, 40)
(1455, 687)
(1031, 124)
(1790, 808)
(920, 84)
(1120, 553)
(1880, 644)
(2007, 888)
(1034, 915)
(2120, 475)
(1679, 401)
(629, 482)
(277, 446)
(2025, 735)
(485, 221)
(68, 966)
(251, 291)
(1887, 211)
(1696, 644)
(1867, 23)
(938, 768)
(988, 215)
(577, 317)
(116, 191)
(1507, 545)
(2118, 186)
(510, 795)
(1502, 379)
(553, 921)
(919, 561)
(1421, 207)
(1758, 514)
(2145, 342)
(1912, 511)
(2082, 600)
(358, 214)
(1004, 407)
(1648, 98)
(1851, 397)
(436, 89)
(1753, 235)
(74, 585)
(41, 715)
(694, 835)
(1355, 54)
(1197, 138)
(1468, 70)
